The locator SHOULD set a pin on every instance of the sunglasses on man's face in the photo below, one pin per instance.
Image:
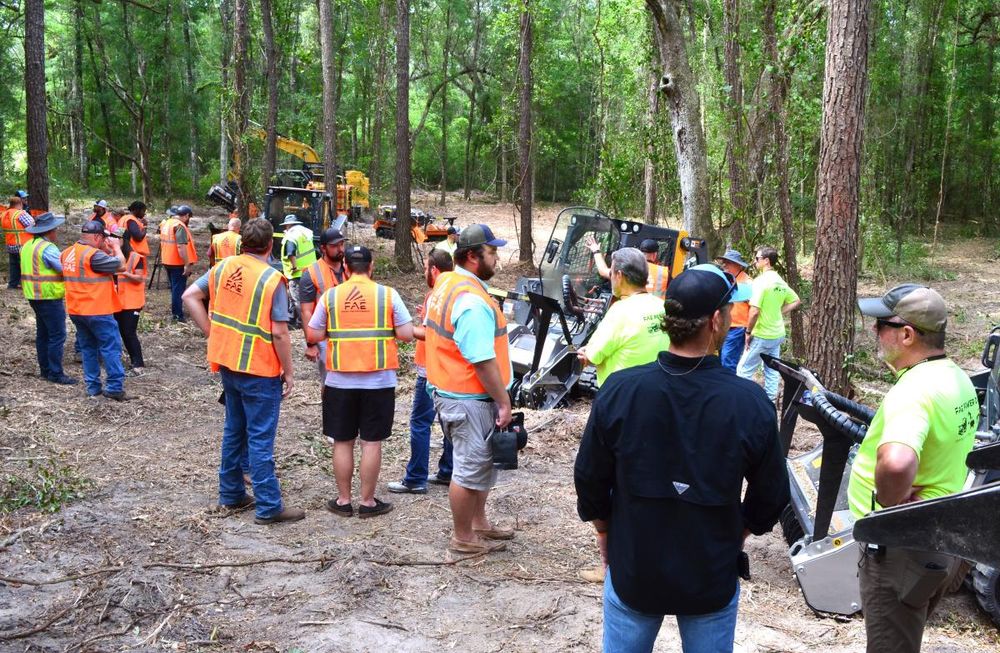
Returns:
(882, 322)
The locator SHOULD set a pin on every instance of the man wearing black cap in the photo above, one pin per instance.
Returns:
(327, 272)
(43, 287)
(914, 449)
(660, 473)
(360, 321)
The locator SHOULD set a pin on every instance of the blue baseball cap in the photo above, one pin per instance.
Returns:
(479, 234)
(702, 290)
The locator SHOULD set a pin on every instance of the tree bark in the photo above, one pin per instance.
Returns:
(445, 52)
(526, 183)
(735, 149)
(225, 10)
(947, 130)
(80, 144)
(404, 239)
(241, 104)
(683, 106)
(649, 169)
(271, 67)
(329, 90)
(838, 189)
(381, 81)
(190, 99)
(36, 110)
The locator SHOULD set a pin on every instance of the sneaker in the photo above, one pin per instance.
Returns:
(63, 380)
(95, 396)
(286, 515)
(341, 510)
(438, 480)
(117, 396)
(380, 508)
(135, 371)
(400, 487)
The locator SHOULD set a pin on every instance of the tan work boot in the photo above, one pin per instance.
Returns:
(592, 574)
(288, 514)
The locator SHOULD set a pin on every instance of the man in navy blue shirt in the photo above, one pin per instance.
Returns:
(660, 472)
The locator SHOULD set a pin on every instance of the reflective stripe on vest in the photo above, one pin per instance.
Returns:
(169, 248)
(305, 252)
(226, 244)
(447, 370)
(38, 280)
(323, 277)
(241, 293)
(659, 278)
(14, 232)
(359, 327)
(132, 293)
(87, 292)
(741, 310)
(140, 247)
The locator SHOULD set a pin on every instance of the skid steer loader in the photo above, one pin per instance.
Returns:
(552, 315)
(820, 529)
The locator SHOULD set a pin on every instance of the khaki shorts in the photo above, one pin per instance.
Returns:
(468, 423)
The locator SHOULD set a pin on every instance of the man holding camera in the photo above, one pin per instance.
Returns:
(469, 370)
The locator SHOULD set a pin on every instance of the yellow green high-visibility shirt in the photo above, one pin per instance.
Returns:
(630, 334)
(305, 251)
(38, 280)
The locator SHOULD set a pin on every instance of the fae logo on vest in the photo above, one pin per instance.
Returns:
(69, 265)
(355, 301)
(234, 283)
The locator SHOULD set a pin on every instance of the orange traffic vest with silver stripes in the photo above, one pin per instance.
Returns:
(323, 277)
(420, 352)
(140, 247)
(14, 232)
(447, 370)
(87, 292)
(741, 310)
(240, 294)
(225, 244)
(360, 334)
(659, 278)
(169, 253)
(133, 293)
(108, 219)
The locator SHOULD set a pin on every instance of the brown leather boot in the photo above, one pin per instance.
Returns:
(288, 514)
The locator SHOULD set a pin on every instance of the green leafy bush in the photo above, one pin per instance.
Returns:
(42, 487)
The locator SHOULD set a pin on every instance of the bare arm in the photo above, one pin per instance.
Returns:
(895, 470)
(283, 348)
(752, 320)
(404, 332)
(314, 336)
(488, 372)
(194, 302)
(599, 262)
(790, 306)
(419, 332)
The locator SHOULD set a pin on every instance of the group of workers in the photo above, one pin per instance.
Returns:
(675, 431)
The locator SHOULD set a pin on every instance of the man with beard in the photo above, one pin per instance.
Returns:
(422, 413)
(469, 371)
(660, 474)
(914, 450)
(327, 272)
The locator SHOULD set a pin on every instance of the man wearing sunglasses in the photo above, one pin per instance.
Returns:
(914, 450)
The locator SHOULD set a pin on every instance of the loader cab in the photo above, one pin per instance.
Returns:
(312, 207)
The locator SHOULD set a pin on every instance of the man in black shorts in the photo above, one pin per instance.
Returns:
(360, 320)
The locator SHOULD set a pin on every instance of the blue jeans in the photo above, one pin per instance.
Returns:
(14, 263)
(751, 361)
(629, 631)
(732, 348)
(253, 404)
(100, 343)
(421, 418)
(178, 282)
(50, 335)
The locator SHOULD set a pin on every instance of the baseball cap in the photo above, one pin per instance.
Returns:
(733, 256)
(452, 230)
(702, 290)
(918, 305)
(479, 234)
(331, 236)
(93, 227)
(101, 203)
(172, 210)
(358, 254)
(649, 246)
(184, 209)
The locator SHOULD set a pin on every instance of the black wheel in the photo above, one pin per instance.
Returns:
(987, 588)
(791, 529)
(586, 385)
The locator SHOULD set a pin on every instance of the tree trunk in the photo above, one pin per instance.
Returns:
(165, 105)
(190, 99)
(503, 167)
(649, 169)
(36, 112)
(526, 183)
(677, 83)
(329, 89)
(735, 150)
(241, 102)
(381, 75)
(837, 191)
(404, 238)
(271, 66)
(947, 129)
(225, 9)
(446, 51)
(80, 144)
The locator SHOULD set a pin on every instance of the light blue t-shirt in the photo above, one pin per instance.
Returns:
(50, 255)
(361, 380)
(474, 326)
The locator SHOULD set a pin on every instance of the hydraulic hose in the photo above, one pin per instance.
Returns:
(842, 422)
(858, 411)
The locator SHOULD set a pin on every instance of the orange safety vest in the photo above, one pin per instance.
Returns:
(133, 293)
(420, 353)
(323, 277)
(659, 278)
(225, 244)
(87, 292)
(108, 219)
(14, 232)
(741, 310)
(447, 370)
(140, 247)
(240, 294)
(169, 252)
(360, 334)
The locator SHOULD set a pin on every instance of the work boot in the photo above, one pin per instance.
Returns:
(63, 380)
(288, 514)
(117, 396)
(247, 502)
(592, 574)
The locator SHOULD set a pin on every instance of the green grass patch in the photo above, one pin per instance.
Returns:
(43, 487)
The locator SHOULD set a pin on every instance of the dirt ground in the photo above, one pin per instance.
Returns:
(141, 562)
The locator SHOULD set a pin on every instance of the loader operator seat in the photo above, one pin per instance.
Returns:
(570, 300)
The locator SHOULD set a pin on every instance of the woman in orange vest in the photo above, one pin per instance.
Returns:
(732, 348)
(134, 225)
(132, 293)
(14, 220)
